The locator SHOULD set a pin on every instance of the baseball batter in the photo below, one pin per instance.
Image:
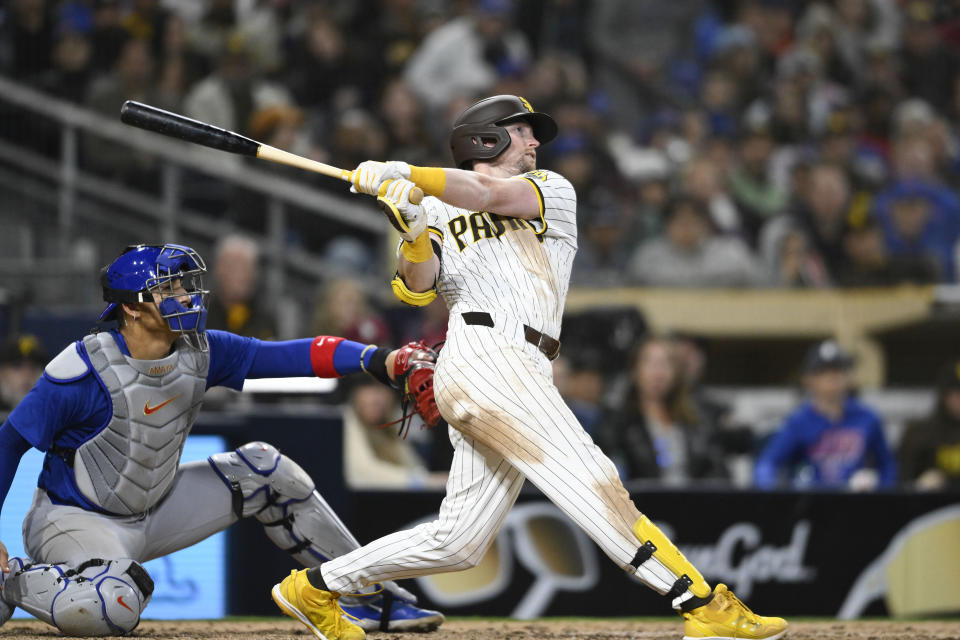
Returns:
(497, 241)
(112, 413)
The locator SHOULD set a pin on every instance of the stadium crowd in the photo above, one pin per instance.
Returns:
(743, 143)
(740, 143)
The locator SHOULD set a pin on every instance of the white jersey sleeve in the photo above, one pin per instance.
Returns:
(558, 205)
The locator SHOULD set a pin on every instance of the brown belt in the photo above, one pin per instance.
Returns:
(548, 346)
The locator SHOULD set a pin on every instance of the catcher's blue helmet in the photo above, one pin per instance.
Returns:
(148, 273)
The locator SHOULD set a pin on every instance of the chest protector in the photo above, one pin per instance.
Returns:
(131, 464)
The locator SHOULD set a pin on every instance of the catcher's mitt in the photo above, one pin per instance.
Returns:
(413, 371)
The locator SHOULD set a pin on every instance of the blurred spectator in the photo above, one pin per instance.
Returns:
(264, 27)
(70, 73)
(357, 136)
(236, 303)
(690, 255)
(602, 253)
(373, 456)
(831, 440)
(718, 95)
(132, 79)
(28, 38)
(210, 36)
(869, 263)
(930, 448)
(796, 264)
(645, 218)
(703, 180)
(147, 20)
(557, 77)
(921, 221)
(108, 35)
(657, 431)
(736, 53)
(862, 27)
(757, 197)
(557, 25)
(280, 126)
(403, 116)
(840, 146)
(819, 29)
(927, 66)
(732, 438)
(586, 384)
(323, 71)
(22, 360)
(233, 92)
(819, 215)
(654, 33)
(467, 55)
(342, 310)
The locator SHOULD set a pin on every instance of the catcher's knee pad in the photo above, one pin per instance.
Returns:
(660, 565)
(97, 598)
(275, 489)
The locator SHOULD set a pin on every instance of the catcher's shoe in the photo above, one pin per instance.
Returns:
(6, 609)
(319, 610)
(726, 618)
(387, 613)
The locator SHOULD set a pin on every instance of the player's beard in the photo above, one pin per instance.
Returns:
(526, 163)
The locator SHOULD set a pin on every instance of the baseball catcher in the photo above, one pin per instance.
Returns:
(112, 412)
(496, 240)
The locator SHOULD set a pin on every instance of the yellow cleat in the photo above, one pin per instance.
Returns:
(726, 618)
(319, 610)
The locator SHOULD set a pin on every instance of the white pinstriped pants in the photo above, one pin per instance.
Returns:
(511, 424)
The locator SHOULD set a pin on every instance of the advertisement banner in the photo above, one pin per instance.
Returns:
(787, 553)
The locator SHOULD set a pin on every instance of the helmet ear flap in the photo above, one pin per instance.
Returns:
(469, 143)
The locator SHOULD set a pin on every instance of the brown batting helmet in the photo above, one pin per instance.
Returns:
(483, 123)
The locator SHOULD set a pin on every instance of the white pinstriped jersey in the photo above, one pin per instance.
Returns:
(520, 268)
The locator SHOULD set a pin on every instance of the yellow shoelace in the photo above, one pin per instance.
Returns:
(748, 614)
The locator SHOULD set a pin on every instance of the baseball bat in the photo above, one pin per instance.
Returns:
(145, 116)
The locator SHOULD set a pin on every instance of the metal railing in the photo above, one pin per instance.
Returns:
(166, 210)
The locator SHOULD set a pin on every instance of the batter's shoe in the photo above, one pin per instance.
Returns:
(384, 612)
(319, 610)
(726, 618)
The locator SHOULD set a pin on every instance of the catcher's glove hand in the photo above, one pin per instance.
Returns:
(413, 370)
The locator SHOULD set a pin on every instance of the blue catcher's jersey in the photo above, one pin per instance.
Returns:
(65, 414)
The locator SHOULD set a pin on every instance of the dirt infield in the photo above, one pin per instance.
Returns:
(482, 630)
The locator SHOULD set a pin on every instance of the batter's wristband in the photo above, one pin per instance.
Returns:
(378, 366)
(433, 180)
(420, 250)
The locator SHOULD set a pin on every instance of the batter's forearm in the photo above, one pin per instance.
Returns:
(479, 192)
(419, 276)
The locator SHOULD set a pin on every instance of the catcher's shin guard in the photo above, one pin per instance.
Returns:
(660, 565)
(270, 486)
(96, 598)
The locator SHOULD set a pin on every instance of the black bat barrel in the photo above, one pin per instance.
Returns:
(175, 125)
